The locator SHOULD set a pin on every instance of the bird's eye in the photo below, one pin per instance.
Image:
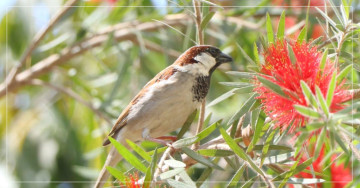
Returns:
(213, 51)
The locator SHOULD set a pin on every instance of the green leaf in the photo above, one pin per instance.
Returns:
(258, 129)
(187, 125)
(243, 110)
(289, 173)
(327, 18)
(305, 181)
(291, 54)
(345, 5)
(269, 30)
(343, 73)
(235, 84)
(222, 97)
(188, 141)
(272, 86)
(215, 152)
(244, 75)
(265, 149)
(272, 147)
(331, 89)
(206, 20)
(243, 90)
(323, 60)
(309, 96)
(192, 154)
(240, 152)
(249, 183)
(128, 156)
(175, 163)
(319, 142)
(340, 142)
(297, 170)
(278, 158)
(247, 57)
(139, 150)
(206, 173)
(235, 179)
(117, 174)
(302, 35)
(178, 184)
(171, 173)
(256, 54)
(185, 177)
(150, 171)
(281, 27)
(308, 112)
(322, 101)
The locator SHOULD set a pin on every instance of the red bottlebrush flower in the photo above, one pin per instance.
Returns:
(286, 74)
(340, 175)
(132, 181)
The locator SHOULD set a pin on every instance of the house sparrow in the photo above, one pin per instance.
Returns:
(164, 103)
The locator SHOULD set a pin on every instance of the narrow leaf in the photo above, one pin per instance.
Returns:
(175, 163)
(187, 125)
(235, 179)
(171, 173)
(265, 149)
(128, 156)
(150, 171)
(271, 85)
(215, 152)
(323, 60)
(240, 152)
(281, 27)
(309, 96)
(308, 112)
(256, 54)
(302, 35)
(269, 30)
(322, 101)
(278, 158)
(139, 150)
(117, 174)
(243, 110)
(200, 158)
(178, 184)
(222, 97)
(343, 73)
(331, 89)
(319, 142)
(206, 20)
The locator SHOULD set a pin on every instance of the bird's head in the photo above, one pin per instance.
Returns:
(202, 60)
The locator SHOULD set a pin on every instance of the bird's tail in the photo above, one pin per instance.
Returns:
(112, 159)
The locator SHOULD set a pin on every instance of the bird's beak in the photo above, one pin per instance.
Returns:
(223, 58)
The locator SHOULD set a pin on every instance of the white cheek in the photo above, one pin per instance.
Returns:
(205, 63)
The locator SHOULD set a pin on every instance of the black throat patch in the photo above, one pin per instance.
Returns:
(200, 88)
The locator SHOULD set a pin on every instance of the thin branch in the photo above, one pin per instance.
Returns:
(157, 48)
(37, 39)
(348, 141)
(72, 94)
(51, 61)
(162, 160)
(200, 37)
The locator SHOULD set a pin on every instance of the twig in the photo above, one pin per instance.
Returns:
(347, 140)
(200, 37)
(162, 160)
(157, 48)
(72, 94)
(51, 61)
(37, 39)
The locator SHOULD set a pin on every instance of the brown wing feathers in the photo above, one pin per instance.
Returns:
(122, 119)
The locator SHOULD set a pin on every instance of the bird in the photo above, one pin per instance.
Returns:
(165, 102)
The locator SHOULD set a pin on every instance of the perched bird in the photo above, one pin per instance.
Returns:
(164, 103)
